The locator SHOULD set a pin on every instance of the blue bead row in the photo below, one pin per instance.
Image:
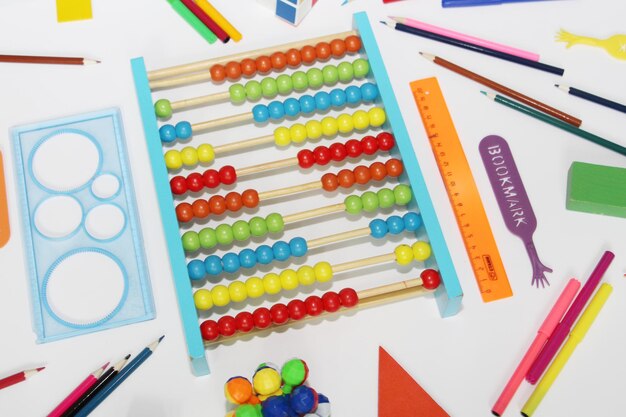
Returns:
(247, 258)
(395, 225)
(170, 133)
(322, 101)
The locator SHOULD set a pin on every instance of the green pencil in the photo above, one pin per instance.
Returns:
(191, 18)
(556, 122)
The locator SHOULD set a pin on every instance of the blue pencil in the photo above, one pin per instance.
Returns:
(119, 378)
(592, 97)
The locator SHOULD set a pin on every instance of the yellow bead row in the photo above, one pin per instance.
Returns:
(419, 251)
(189, 156)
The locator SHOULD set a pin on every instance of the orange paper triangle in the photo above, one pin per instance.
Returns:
(399, 395)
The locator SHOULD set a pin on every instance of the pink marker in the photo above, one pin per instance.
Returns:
(466, 38)
(78, 391)
(546, 329)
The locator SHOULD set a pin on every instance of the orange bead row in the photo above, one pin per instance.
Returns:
(362, 174)
(216, 205)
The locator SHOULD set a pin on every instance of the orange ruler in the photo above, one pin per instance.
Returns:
(462, 192)
(4, 210)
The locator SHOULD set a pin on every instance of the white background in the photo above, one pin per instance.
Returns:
(463, 361)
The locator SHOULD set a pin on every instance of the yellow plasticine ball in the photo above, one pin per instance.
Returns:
(323, 271)
(421, 251)
(271, 283)
(404, 255)
(297, 133)
(206, 153)
(345, 123)
(313, 129)
(361, 120)
(282, 137)
(306, 275)
(237, 291)
(329, 126)
(377, 116)
(203, 299)
(189, 156)
(289, 279)
(173, 160)
(220, 295)
(266, 381)
(254, 286)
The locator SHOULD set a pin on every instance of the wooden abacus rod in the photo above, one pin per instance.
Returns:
(268, 166)
(339, 237)
(247, 143)
(310, 214)
(362, 263)
(198, 101)
(295, 189)
(208, 63)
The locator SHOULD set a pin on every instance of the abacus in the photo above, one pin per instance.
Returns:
(208, 231)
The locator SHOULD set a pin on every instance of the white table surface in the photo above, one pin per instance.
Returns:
(463, 361)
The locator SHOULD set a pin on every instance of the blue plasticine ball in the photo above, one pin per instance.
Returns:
(230, 262)
(298, 246)
(183, 130)
(395, 225)
(307, 104)
(292, 107)
(369, 92)
(412, 221)
(247, 258)
(323, 406)
(303, 399)
(277, 111)
(260, 113)
(378, 228)
(322, 100)
(278, 407)
(337, 97)
(196, 270)
(264, 254)
(167, 133)
(281, 250)
(353, 94)
(213, 265)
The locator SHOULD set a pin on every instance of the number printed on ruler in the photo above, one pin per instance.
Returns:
(462, 191)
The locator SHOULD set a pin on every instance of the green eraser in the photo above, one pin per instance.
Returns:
(596, 189)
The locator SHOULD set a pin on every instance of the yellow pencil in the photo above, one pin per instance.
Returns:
(575, 337)
(221, 21)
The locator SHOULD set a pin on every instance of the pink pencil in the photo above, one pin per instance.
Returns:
(78, 391)
(546, 329)
(466, 38)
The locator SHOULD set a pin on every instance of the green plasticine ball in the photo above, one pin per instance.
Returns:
(294, 372)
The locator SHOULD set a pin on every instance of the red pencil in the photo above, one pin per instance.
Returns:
(19, 377)
(208, 22)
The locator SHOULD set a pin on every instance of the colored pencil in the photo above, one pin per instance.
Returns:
(475, 48)
(119, 378)
(592, 97)
(58, 60)
(464, 3)
(87, 383)
(19, 377)
(504, 90)
(102, 381)
(466, 38)
(193, 21)
(220, 20)
(558, 123)
(575, 337)
(206, 20)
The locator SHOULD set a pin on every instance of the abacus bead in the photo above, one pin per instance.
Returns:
(346, 73)
(220, 295)
(195, 182)
(293, 58)
(395, 225)
(218, 73)
(362, 174)
(276, 110)
(200, 209)
(289, 279)
(241, 231)
(353, 93)
(248, 67)
(307, 104)
(244, 321)
(323, 272)
(167, 133)
(385, 141)
(322, 155)
(386, 198)
(306, 275)
(281, 136)
(353, 204)
(258, 226)
(421, 251)
(264, 254)
(254, 287)
(338, 48)
(209, 330)
(263, 64)
(190, 241)
(378, 171)
(313, 129)
(394, 167)
(330, 74)
(331, 301)
(314, 305)
(370, 201)
(207, 237)
(308, 54)
(281, 250)
(233, 70)
(377, 116)
(213, 265)
(337, 97)
(370, 145)
(250, 198)
(369, 92)
(280, 313)
(412, 221)
(430, 279)
(300, 81)
(238, 93)
(361, 68)
(404, 255)
(338, 151)
(275, 223)
(269, 87)
(184, 212)
(329, 126)
(224, 234)
(346, 178)
(297, 309)
(284, 84)
(298, 246)
(354, 148)
(196, 269)
(272, 283)
(253, 90)
(261, 113)
(323, 51)
(378, 228)
(211, 178)
(361, 120)
(353, 43)
(279, 60)
(403, 194)
(315, 78)
(217, 204)
(345, 123)
(233, 201)
(227, 325)
(202, 299)
(322, 101)
(297, 133)
(306, 158)
(247, 258)
(178, 185)
(292, 107)
(237, 291)
(205, 153)
(329, 182)
(262, 318)
(349, 297)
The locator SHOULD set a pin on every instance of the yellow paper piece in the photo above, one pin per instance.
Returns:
(70, 10)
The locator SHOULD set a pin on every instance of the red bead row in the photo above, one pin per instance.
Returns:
(196, 181)
(353, 148)
(278, 314)
(362, 174)
(217, 205)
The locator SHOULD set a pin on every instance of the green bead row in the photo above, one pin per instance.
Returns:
(384, 198)
(225, 234)
(299, 81)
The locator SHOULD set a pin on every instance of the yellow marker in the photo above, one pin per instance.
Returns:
(70, 10)
(221, 21)
(575, 337)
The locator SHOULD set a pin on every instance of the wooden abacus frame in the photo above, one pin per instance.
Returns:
(448, 295)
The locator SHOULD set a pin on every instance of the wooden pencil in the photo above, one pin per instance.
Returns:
(567, 118)
(592, 97)
(58, 60)
(19, 377)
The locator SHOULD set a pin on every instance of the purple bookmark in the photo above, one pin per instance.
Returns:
(512, 199)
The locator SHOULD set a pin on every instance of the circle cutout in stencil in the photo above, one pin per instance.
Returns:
(58, 216)
(105, 186)
(85, 287)
(65, 161)
(105, 221)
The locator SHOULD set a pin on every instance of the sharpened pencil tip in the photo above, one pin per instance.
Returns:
(161, 338)
(383, 22)
(40, 368)
(556, 85)
(127, 356)
(103, 367)
(483, 92)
